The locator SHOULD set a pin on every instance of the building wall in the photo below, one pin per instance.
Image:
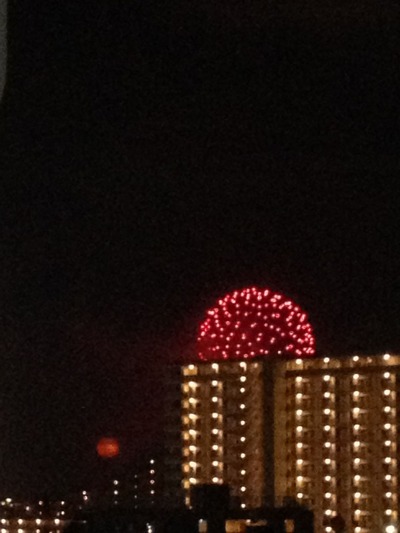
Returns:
(320, 431)
(342, 439)
(224, 430)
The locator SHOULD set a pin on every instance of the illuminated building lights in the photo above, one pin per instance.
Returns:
(299, 396)
(356, 377)
(215, 463)
(386, 375)
(215, 431)
(193, 480)
(386, 357)
(326, 377)
(328, 478)
(327, 394)
(242, 406)
(243, 489)
(386, 392)
(214, 383)
(243, 379)
(242, 455)
(242, 390)
(300, 495)
(327, 411)
(299, 412)
(215, 479)
(254, 322)
(356, 358)
(387, 426)
(327, 427)
(386, 409)
(243, 472)
(242, 422)
(299, 429)
(326, 360)
(299, 379)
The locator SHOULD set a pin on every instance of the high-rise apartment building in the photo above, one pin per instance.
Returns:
(322, 431)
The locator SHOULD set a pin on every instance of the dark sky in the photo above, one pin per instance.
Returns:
(155, 155)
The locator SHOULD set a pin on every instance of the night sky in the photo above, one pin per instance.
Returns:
(156, 155)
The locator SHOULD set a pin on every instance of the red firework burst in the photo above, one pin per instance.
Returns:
(255, 322)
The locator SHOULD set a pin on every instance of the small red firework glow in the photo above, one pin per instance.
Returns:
(255, 322)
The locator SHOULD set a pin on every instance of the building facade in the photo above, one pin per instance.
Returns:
(321, 431)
